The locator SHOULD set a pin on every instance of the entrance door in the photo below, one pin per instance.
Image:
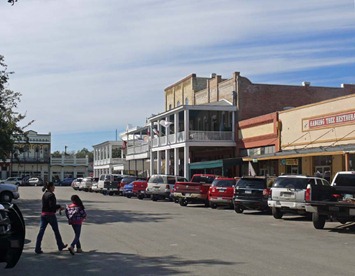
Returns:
(325, 171)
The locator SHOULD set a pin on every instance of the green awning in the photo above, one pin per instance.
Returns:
(224, 163)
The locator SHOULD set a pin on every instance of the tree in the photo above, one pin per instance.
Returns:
(85, 152)
(56, 154)
(10, 131)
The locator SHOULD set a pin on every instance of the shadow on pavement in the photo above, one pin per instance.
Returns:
(94, 263)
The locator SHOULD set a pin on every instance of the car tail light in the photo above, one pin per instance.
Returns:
(307, 195)
(266, 192)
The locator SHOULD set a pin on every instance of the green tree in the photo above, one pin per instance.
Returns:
(56, 154)
(10, 131)
(85, 152)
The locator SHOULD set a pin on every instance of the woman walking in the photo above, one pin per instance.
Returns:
(48, 216)
(76, 214)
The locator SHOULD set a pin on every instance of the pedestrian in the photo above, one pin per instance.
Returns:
(76, 214)
(48, 216)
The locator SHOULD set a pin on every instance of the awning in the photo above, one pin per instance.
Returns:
(297, 153)
(224, 163)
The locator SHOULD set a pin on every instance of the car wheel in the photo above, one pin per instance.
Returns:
(140, 197)
(318, 220)
(276, 212)
(6, 197)
(213, 205)
(342, 220)
(182, 202)
(154, 198)
(238, 209)
(129, 196)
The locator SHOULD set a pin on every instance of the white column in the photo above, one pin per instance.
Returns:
(167, 161)
(158, 162)
(186, 162)
(176, 161)
(186, 124)
(176, 126)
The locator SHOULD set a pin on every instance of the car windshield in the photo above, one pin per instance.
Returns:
(345, 179)
(292, 182)
(223, 183)
(256, 183)
(156, 179)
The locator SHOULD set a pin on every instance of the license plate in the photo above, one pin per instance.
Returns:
(248, 192)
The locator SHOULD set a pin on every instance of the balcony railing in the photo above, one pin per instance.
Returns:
(109, 161)
(58, 161)
(194, 135)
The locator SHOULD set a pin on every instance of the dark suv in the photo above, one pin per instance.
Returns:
(252, 192)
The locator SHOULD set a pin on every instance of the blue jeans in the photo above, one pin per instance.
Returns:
(77, 231)
(52, 220)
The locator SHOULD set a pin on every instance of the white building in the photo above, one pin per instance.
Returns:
(106, 160)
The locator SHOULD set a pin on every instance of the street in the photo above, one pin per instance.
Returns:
(124, 236)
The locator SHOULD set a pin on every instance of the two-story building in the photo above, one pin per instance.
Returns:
(197, 130)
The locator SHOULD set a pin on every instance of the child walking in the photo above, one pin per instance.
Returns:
(76, 214)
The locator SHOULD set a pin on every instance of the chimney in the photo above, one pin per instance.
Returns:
(306, 83)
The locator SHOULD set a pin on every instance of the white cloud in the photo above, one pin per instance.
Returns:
(95, 65)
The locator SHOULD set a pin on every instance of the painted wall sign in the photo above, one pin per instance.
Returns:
(328, 121)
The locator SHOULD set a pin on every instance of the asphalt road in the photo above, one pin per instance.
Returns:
(140, 237)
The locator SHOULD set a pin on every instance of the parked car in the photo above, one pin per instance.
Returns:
(35, 181)
(66, 181)
(336, 201)
(252, 193)
(124, 181)
(139, 187)
(288, 194)
(128, 190)
(94, 187)
(12, 233)
(193, 191)
(76, 183)
(221, 192)
(86, 184)
(159, 186)
(12, 180)
(8, 192)
(109, 183)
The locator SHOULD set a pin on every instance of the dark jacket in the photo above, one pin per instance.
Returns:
(49, 203)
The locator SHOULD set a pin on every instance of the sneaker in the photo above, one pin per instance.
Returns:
(63, 247)
(71, 250)
(38, 251)
(79, 250)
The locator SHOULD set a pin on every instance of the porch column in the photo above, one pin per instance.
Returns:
(186, 162)
(346, 161)
(167, 161)
(176, 161)
(158, 162)
(176, 126)
(186, 124)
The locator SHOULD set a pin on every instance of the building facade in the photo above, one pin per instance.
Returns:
(313, 139)
(187, 135)
(30, 159)
(107, 160)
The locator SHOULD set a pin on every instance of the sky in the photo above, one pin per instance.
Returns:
(88, 68)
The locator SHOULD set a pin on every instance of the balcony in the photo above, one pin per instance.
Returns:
(72, 161)
(194, 136)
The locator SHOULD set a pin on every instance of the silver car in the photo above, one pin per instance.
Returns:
(160, 185)
(288, 194)
(8, 192)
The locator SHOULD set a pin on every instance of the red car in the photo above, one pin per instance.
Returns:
(221, 192)
(139, 187)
